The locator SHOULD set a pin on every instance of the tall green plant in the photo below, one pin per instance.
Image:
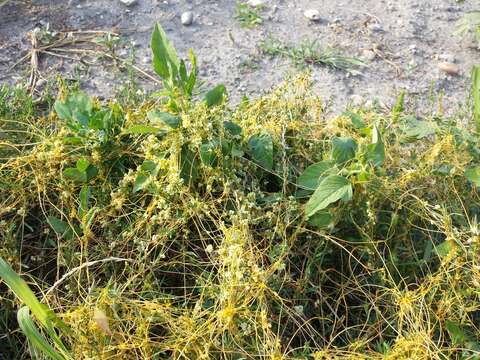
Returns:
(45, 316)
(476, 95)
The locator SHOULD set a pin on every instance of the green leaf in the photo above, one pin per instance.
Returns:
(192, 78)
(414, 129)
(260, 148)
(208, 153)
(215, 96)
(188, 165)
(313, 174)
(476, 95)
(343, 149)
(76, 110)
(182, 70)
(150, 167)
(473, 175)
(82, 164)
(232, 128)
(330, 190)
(164, 117)
(34, 336)
(356, 119)
(84, 197)
(443, 249)
(25, 294)
(91, 172)
(62, 228)
(165, 58)
(321, 219)
(141, 181)
(148, 171)
(376, 150)
(75, 175)
(143, 129)
(59, 226)
(456, 332)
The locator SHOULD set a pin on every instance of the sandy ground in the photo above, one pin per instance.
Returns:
(401, 41)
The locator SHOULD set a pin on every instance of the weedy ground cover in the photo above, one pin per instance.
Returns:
(180, 227)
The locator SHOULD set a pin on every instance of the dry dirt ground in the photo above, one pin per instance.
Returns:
(401, 41)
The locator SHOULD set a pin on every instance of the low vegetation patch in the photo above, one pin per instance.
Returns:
(183, 228)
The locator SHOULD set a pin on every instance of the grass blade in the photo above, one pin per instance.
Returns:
(23, 292)
(476, 95)
(28, 327)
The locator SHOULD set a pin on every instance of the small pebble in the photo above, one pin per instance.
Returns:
(128, 2)
(447, 58)
(368, 55)
(375, 27)
(312, 14)
(357, 100)
(187, 18)
(255, 3)
(449, 68)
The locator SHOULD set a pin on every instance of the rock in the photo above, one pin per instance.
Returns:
(312, 14)
(449, 68)
(368, 55)
(447, 58)
(255, 3)
(357, 100)
(187, 18)
(375, 27)
(128, 2)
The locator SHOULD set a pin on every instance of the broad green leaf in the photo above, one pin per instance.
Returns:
(75, 175)
(321, 219)
(188, 165)
(141, 181)
(148, 172)
(356, 119)
(59, 226)
(232, 128)
(62, 228)
(271, 199)
(473, 175)
(63, 110)
(82, 164)
(313, 174)
(414, 129)
(376, 150)
(215, 96)
(330, 190)
(164, 117)
(260, 148)
(165, 58)
(150, 167)
(236, 152)
(77, 107)
(143, 129)
(34, 336)
(343, 149)
(456, 332)
(91, 172)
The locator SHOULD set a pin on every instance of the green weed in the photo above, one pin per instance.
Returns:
(310, 53)
(248, 16)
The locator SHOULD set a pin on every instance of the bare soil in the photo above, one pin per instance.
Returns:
(408, 39)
